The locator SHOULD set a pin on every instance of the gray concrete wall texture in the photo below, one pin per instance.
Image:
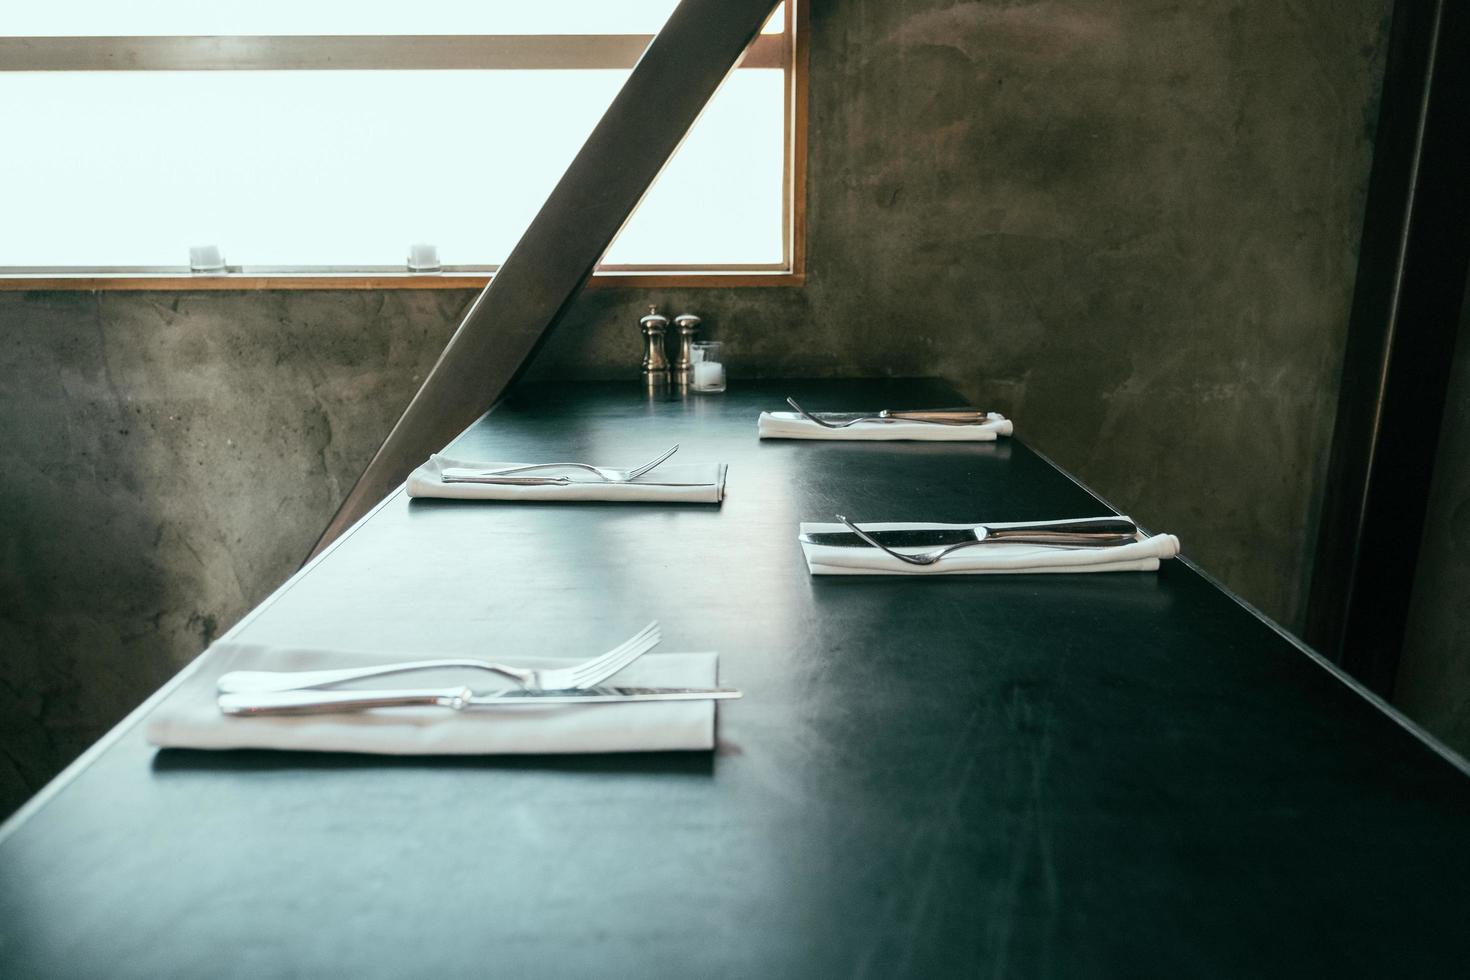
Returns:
(165, 462)
(1132, 226)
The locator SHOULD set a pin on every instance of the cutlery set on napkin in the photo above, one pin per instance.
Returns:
(924, 425)
(462, 479)
(252, 696)
(906, 548)
(1091, 544)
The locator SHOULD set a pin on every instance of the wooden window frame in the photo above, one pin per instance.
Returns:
(786, 50)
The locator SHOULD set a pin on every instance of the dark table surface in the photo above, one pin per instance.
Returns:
(1091, 775)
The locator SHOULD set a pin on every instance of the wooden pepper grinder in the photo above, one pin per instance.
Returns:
(655, 362)
(687, 323)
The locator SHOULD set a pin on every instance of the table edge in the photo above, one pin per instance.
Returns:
(1394, 714)
(130, 721)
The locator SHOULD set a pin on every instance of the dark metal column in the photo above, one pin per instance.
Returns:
(1407, 304)
(697, 48)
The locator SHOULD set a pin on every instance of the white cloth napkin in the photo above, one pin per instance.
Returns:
(999, 558)
(705, 483)
(789, 425)
(190, 717)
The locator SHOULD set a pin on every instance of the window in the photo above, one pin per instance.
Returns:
(314, 144)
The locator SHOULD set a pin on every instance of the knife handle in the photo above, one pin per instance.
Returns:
(963, 416)
(1065, 540)
(331, 702)
(1088, 530)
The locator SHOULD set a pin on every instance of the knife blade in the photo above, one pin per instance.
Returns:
(456, 698)
(1087, 531)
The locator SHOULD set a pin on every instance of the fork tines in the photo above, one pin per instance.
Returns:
(639, 644)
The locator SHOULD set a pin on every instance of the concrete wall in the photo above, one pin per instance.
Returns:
(166, 460)
(1131, 225)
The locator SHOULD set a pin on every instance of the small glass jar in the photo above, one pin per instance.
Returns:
(424, 258)
(706, 366)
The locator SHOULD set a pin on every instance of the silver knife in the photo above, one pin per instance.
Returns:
(1089, 531)
(458, 698)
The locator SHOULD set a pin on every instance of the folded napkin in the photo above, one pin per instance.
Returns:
(998, 558)
(190, 718)
(790, 425)
(702, 483)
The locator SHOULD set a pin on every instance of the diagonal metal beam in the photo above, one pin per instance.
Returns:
(698, 46)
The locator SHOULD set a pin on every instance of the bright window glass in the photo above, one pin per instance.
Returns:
(347, 169)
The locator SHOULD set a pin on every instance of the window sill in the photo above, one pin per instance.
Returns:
(249, 281)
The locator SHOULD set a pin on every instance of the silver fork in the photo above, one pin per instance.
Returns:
(587, 674)
(931, 418)
(984, 534)
(610, 474)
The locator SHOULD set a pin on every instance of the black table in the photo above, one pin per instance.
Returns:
(1109, 775)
